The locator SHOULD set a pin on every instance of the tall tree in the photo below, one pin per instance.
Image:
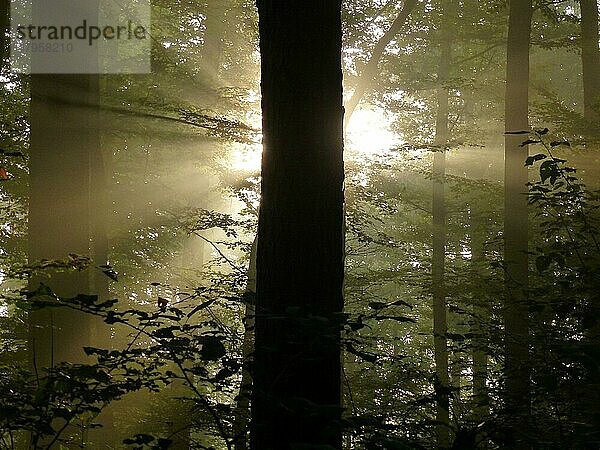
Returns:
(481, 313)
(516, 315)
(296, 396)
(590, 56)
(65, 213)
(440, 319)
(4, 26)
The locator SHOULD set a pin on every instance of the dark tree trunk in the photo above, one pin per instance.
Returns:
(241, 418)
(4, 26)
(516, 315)
(590, 56)
(297, 391)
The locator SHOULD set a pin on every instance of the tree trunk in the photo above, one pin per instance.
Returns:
(440, 320)
(481, 313)
(370, 71)
(516, 315)
(65, 208)
(297, 389)
(64, 147)
(4, 27)
(590, 57)
(241, 419)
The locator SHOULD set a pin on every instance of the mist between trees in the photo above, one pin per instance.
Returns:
(244, 250)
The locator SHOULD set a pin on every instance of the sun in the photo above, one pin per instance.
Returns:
(369, 131)
(246, 158)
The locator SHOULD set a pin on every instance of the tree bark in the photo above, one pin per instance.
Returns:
(241, 419)
(297, 392)
(440, 320)
(590, 57)
(370, 71)
(65, 208)
(481, 313)
(516, 315)
(4, 27)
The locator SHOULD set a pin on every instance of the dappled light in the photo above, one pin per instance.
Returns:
(432, 283)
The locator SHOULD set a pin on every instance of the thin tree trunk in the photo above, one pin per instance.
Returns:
(440, 320)
(590, 56)
(213, 42)
(516, 315)
(296, 401)
(241, 418)
(4, 27)
(481, 313)
(370, 71)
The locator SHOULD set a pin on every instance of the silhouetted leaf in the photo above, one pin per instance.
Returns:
(212, 348)
(529, 141)
(201, 306)
(531, 159)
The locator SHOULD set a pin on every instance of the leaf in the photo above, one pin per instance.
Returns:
(356, 325)
(516, 132)
(557, 143)
(529, 141)
(401, 303)
(4, 174)
(110, 273)
(212, 348)
(201, 306)
(162, 302)
(542, 132)
(223, 374)
(396, 318)
(164, 333)
(85, 299)
(377, 305)
(369, 357)
(548, 170)
(531, 159)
